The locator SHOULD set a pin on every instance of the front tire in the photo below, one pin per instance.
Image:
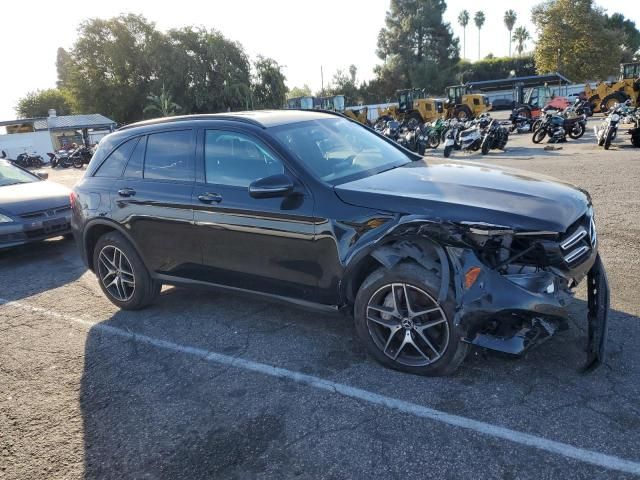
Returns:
(401, 324)
(486, 145)
(122, 275)
(447, 150)
(539, 135)
(609, 138)
(577, 131)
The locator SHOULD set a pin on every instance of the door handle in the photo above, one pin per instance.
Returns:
(210, 198)
(126, 192)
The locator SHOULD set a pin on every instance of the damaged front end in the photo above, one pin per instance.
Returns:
(512, 287)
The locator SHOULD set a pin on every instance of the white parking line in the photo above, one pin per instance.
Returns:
(587, 456)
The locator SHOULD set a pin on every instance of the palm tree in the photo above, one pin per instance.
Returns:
(479, 19)
(510, 18)
(463, 20)
(162, 104)
(520, 36)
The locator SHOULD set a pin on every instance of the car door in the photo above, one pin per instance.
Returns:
(260, 244)
(153, 201)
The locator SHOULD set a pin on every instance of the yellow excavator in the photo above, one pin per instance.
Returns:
(605, 95)
(413, 103)
(462, 104)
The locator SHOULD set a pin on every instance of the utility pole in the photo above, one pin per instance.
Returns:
(321, 81)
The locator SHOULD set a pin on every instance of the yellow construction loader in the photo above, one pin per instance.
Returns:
(462, 104)
(605, 95)
(413, 103)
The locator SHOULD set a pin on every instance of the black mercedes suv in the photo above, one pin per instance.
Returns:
(310, 207)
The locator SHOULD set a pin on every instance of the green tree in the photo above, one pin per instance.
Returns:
(418, 44)
(38, 103)
(479, 20)
(626, 31)
(109, 68)
(343, 83)
(269, 88)
(463, 20)
(573, 37)
(162, 104)
(510, 18)
(205, 71)
(303, 91)
(520, 36)
(492, 68)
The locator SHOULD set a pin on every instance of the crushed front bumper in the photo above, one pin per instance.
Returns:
(513, 313)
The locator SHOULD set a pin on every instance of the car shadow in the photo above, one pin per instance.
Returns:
(22, 268)
(153, 412)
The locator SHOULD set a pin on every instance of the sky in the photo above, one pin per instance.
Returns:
(302, 35)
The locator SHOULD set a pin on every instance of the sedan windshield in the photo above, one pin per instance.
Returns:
(11, 175)
(337, 150)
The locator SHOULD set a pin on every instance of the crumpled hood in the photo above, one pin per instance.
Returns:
(467, 192)
(31, 197)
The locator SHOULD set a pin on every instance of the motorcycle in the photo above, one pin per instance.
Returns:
(391, 130)
(463, 136)
(60, 159)
(520, 123)
(81, 156)
(429, 136)
(558, 125)
(495, 137)
(26, 160)
(607, 131)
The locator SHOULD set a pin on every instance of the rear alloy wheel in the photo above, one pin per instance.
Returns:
(123, 277)
(577, 131)
(116, 273)
(403, 326)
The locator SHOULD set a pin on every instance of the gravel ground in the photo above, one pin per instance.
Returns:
(89, 391)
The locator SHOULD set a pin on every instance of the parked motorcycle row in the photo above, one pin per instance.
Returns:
(482, 133)
(619, 114)
(25, 160)
(74, 156)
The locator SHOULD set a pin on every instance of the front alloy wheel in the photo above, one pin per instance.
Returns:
(403, 326)
(407, 324)
(116, 273)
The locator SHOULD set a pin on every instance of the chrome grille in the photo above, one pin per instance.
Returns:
(580, 241)
(52, 212)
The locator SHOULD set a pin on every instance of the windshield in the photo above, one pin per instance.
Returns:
(337, 150)
(11, 175)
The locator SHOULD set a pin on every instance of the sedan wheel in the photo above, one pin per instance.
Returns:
(116, 273)
(407, 324)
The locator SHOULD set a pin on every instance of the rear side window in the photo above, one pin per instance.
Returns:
(114, 164)
(136, 162)
(170, 156)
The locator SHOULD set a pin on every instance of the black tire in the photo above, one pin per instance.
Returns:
(539, 135)
(576, 134)
(78, 162)
(610, 100)
(536, 125)
(486, 145)
(594, 101)
(434, 140)
(445, 339)
(635, 139)
(462, 113)
(447, 151)
(144, 291)
(609, 138)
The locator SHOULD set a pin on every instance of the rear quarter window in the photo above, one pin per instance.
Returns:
(114, 165)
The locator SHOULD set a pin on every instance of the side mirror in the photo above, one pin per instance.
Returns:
(269, 187)
(42, 175)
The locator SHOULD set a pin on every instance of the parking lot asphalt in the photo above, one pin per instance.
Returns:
(206, 384)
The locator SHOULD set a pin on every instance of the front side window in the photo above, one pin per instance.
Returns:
(170, 156)
(115, 163)
(236, 159)
(336, 149)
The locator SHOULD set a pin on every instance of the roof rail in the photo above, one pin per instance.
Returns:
(322, 110)
(186, 118)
